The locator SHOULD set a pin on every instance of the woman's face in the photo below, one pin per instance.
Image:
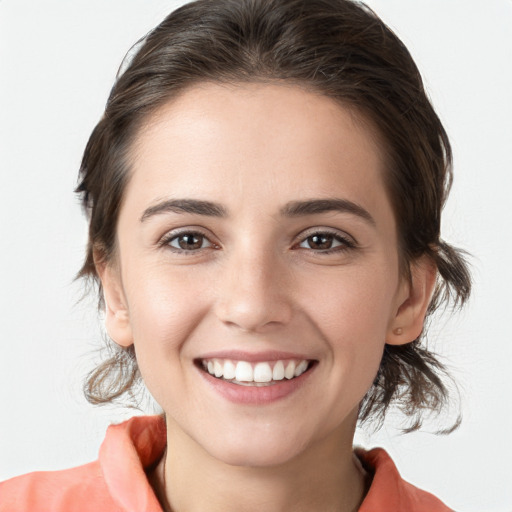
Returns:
(255, 237)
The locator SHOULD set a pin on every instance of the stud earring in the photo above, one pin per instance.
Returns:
(398, 331)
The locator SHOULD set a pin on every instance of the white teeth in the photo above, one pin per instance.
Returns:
(289, 373)
(301, 368)
(262, 372)
(278, 372)
(229, 370)
(217, 368)
(244, 372)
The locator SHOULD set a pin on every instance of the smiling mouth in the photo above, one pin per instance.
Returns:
(264, 373)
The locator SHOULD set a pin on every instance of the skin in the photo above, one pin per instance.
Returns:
(257, 282)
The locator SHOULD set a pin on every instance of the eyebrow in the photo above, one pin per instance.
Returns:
(316, 206)
(193, 206)
(291, 209)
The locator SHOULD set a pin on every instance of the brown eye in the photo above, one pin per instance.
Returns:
(189, 242)
(320, 241)
(325, 242)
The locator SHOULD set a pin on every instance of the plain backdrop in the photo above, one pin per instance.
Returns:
(58, 60)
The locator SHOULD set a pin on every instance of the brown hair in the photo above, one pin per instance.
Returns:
(339, 48)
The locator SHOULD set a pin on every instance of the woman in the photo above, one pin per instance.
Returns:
(264, 193)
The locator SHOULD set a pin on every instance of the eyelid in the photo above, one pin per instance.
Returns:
(321, 230)
(195, 235)
(347, 241)
(165, 240)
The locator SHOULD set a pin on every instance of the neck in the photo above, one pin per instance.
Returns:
(326, 477)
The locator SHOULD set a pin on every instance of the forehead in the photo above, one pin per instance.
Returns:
(253, 141)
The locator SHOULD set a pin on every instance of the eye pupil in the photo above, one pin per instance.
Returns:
(190, 241)
(320, 241)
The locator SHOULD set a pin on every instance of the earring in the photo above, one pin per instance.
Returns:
(398, 331)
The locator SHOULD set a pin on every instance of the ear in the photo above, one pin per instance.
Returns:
(117, 318)
(413, 299)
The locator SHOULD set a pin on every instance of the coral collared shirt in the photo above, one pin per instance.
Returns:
(117, 481)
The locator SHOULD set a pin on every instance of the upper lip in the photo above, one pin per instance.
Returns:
(254, 357)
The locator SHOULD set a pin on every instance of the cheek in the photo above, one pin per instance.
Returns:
(352, 311)
(165, 308)
(356, 301)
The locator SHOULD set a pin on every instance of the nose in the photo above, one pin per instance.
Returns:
(253, 295)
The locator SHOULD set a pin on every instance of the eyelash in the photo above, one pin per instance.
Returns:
(167, 239)
(346, 243)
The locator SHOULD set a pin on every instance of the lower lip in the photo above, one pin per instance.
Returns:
(256, 395)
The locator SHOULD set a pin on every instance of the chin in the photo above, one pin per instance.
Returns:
(255, 457)
(256, 450)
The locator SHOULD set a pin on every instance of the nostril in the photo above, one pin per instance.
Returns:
(252, 314)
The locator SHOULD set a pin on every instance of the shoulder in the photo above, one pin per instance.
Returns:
(82, 488)
(389, 492)
(115, 482)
